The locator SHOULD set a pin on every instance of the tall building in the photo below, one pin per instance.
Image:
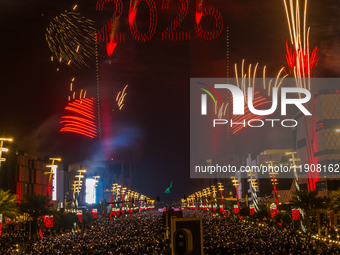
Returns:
(317, 142)
(29, 175)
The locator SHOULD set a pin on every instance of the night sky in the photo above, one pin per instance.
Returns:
(156, 111)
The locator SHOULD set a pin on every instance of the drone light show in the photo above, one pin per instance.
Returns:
(172, 32)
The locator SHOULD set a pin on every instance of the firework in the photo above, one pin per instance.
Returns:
(85, 121)
(243, 84)
(299, 58)
(82, 93)
(132, 11)
(120, 98)
(199, 13)
(71, 38)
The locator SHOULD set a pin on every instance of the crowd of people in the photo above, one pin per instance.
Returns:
(233, 236)
(15, 234)
(143, 233)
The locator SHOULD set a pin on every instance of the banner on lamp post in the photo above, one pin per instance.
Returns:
(296, 214)
(0, 224)
(94, 213)
(252, 209)
(273, 210)
(236, 209)
(80, 215)
(48, 221)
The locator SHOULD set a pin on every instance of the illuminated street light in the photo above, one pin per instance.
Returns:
(220, 188)
(78, 187)
(235, 184)
(52, 178)
(2, 149)
(272, 173)
(293, 159)
(113, 190)
(253, 184)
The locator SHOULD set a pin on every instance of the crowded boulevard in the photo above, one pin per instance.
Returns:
(143, 233)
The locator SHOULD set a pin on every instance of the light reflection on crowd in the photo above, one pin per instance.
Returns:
(141, 233)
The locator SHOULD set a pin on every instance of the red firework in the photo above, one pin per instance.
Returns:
(86, 122)
(300, 59)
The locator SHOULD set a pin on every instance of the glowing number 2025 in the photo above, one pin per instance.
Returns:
(169, 33)
(105, 34)
(207, 11)
(143, 37)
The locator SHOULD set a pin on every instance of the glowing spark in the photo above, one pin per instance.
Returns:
(75, 7)
(132, 11)
(71, 86)
(299, 58)
(120, 98)
(111, 45)
(69, 32)
(199, 13)
(251, 79)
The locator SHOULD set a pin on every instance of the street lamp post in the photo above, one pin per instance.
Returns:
(235, 183)
(52, 178)
(94, 187)
(272, 173)
(253, 185)
(78, 184)
(2, 149)
(220, 188)
(294, 166)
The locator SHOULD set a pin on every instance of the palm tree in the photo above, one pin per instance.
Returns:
(308, 201)
(8, 205)
(335, 202)
(36, 206)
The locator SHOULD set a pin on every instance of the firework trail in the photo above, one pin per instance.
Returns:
(120, 98)
(199, 13)
(243, 84)
(82, 93)
(132, 11)
(111, 45)
(84, 121)
(71, 38)
(301, 61)
(299, 58)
